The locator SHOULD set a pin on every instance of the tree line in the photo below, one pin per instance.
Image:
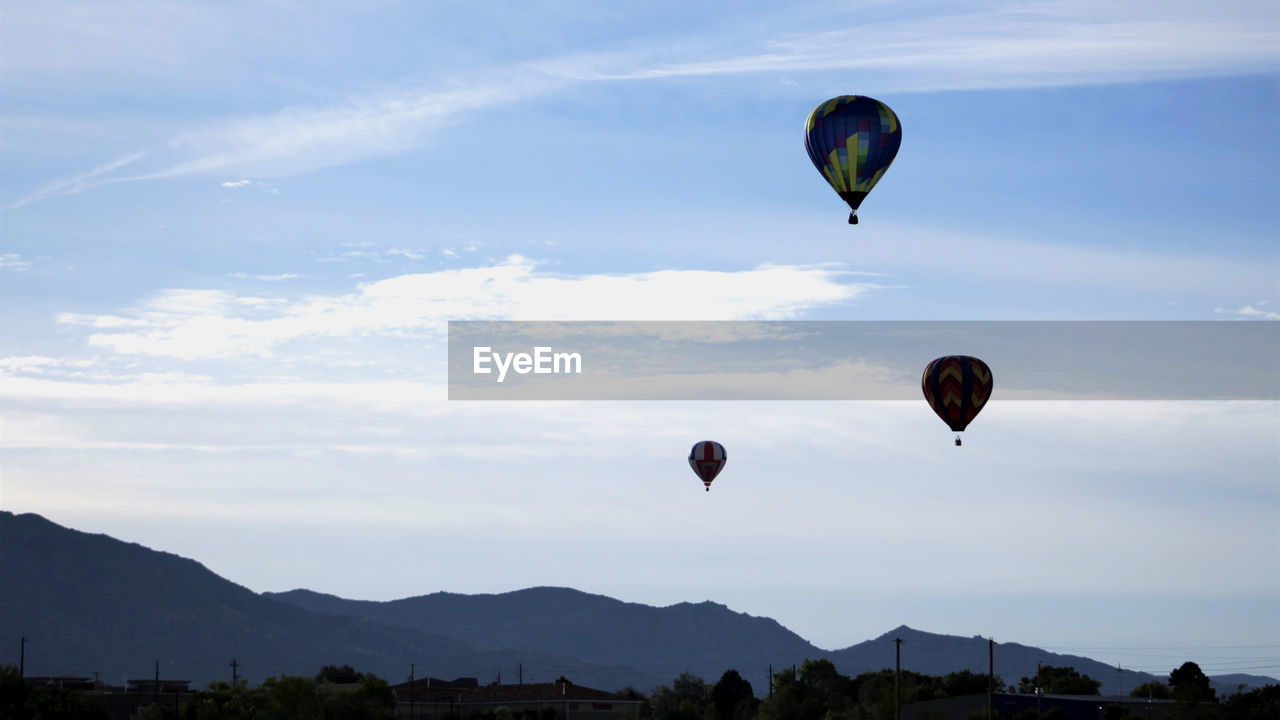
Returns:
(816, 691)
(812, 691)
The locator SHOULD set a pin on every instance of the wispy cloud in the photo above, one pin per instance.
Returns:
(1001, 45)
(926, 47)
(14, 261)
(73, 184)
(192, 324)
(299, 140)
(1254, 311)
(280, 277)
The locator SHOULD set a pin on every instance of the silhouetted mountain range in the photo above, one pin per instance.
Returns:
(89, 603)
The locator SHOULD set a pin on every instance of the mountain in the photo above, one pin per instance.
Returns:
(933, 654)
(90, 603)
(705, 638)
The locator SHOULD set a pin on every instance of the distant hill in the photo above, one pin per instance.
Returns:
(90, 603)
(940, 654)
(704, 638)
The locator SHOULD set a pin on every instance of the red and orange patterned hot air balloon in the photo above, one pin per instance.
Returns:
(956, 387)
(707, 459)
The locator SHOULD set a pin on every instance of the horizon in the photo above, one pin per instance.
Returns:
(1065, 652)
(235, 237)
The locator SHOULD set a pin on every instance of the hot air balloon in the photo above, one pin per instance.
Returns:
(956, 387)
(707, 459)
(852, 140)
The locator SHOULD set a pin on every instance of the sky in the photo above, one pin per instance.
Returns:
(234, 234)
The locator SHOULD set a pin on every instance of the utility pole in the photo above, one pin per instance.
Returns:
(155, 692)
(520, 673)
(991, 675)
(22, 673)
(897, 670)
(1039, 689)
(413, 708)
(1119, 680)
(770, 681)
(235, 674)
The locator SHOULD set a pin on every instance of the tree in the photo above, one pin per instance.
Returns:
(966, 682)
(291, 698)
(1261, 703)
(222, 701)
(1190, 685)
(642, 712)
(371, 699)
(1060, 681)
(345, 675)
(686, 699)
(1153, 689)
(729, 692)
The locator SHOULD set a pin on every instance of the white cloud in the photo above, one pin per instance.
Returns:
(41, 364)
(190, 324)
(73, 184)
(302, 139)
(13, 261)
(1250, 311)
(237, 184)
(278, 277)
(1017, 44)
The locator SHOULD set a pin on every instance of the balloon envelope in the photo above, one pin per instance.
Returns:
(956, 387)
(707, 459)
(852, 140)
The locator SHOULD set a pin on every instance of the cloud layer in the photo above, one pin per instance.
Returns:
(193, 324)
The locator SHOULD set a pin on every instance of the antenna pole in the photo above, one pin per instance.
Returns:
(991, 675)
(1039, 689)
(897, 670)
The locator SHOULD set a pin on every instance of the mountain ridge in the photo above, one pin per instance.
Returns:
(89, 602)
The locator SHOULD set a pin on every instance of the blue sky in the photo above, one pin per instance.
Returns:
(233, 234)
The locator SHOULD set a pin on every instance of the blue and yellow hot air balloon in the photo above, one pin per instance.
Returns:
(852, 140)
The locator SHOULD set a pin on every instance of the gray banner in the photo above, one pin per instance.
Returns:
(856, 360)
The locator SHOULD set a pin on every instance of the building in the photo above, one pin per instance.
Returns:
(430, 698)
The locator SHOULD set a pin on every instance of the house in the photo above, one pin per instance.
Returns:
(429, 698)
